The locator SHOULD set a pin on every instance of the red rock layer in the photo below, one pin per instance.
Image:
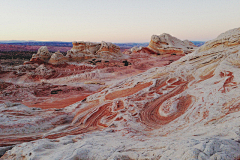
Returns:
(127, 92)
(96, 115)
(150, 114)
(58, 102)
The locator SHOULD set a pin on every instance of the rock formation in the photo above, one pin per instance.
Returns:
(186, 110)
(57, 58)
(109, 50)
(86, 50)
(42, 55)
(167, 44)
(91, 75)
(79, 52)
(85, 47)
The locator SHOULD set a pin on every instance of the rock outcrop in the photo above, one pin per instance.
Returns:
(85, 47)
(79, 52)
(186, 110)
(109, 50)
(43, 55)
(86, 50)
(167, 44)
(57, 58)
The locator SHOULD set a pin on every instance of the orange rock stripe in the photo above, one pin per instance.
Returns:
(150, 115)
(127, 92)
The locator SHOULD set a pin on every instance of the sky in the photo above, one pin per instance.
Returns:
(118, 21)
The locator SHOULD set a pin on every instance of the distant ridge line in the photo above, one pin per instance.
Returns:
(69, 44)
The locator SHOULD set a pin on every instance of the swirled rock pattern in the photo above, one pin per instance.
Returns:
(186, 110)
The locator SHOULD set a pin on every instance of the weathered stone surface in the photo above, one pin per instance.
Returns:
(43, 55)
(80, 51)
(58, 58)
(186, 110)
(164, 44)
(87, 50)
(109, 50)
(167, 44)
(13, 120)
(85, 47)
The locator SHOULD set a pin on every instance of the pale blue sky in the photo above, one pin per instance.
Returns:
(116, 20)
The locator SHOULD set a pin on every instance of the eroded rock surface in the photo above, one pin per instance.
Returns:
(80, 51)
(186, 110)
(57, 58)
(91, 75)
(43, 55)
(167, 44)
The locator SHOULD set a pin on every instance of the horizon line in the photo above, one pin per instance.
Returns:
(79, 40)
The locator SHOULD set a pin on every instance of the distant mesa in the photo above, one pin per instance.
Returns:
(80, 51)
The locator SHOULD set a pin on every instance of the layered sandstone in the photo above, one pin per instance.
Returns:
(91, 75)
(186, 110)
(86, 50)
(85, 47)
(167, 44)
(57, 58)
(109, 50)
(80, 51)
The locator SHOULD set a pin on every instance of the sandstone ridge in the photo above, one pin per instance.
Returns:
(80, 51)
